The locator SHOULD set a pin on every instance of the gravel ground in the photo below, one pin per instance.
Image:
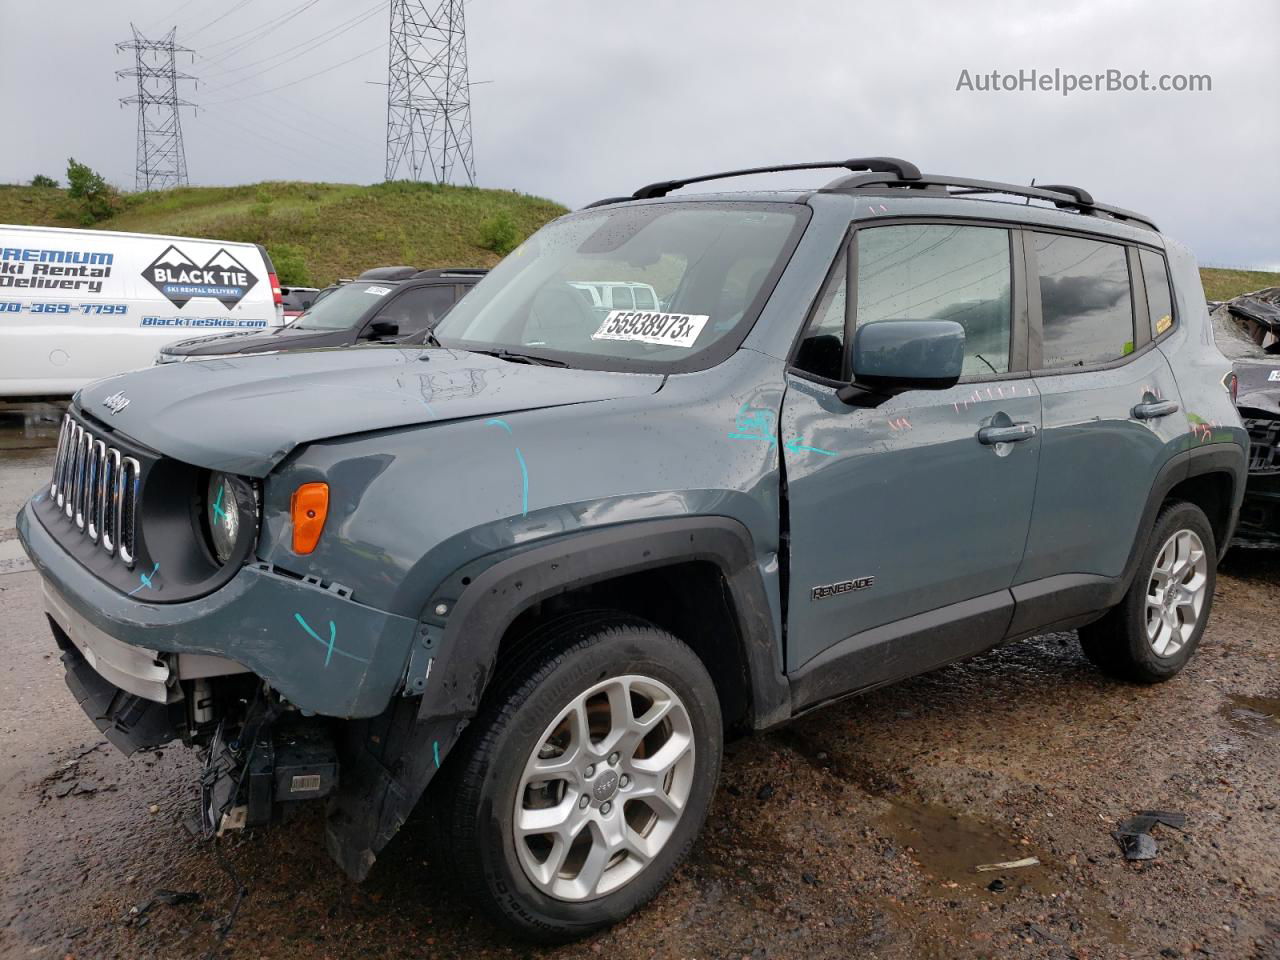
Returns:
(854, 831)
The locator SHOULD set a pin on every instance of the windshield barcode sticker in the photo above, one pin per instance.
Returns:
(646, 326)
(378, 291)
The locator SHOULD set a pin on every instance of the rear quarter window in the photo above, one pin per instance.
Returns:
(1155, 277)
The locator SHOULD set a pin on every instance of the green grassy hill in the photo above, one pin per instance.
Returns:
(316, 232)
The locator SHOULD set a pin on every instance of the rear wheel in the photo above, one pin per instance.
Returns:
(1152, 633)
(586, 781)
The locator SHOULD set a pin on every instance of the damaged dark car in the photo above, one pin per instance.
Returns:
(1247, 330)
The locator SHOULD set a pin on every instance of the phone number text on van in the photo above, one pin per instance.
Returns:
(96, 309)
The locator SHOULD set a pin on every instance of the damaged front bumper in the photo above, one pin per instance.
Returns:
(312, 644)
(295, 690)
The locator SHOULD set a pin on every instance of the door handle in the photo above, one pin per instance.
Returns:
(1154, 409)
(1013, 433)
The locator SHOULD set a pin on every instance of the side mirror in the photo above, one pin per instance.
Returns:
(891, 356)
(383, 328)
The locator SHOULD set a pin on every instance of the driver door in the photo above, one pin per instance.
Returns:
(906, 527)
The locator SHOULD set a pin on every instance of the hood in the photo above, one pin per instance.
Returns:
(244, 414)
(1259, 384)
(242, 341)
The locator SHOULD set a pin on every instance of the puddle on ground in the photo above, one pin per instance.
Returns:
(32, 428)
(1254, 716)
(950, 846)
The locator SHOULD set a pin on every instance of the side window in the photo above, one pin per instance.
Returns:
(941, 272)
(1155, 276)
(821, 352)
(1085, 300)
(417, 310)
(644, 299)
(622, 299)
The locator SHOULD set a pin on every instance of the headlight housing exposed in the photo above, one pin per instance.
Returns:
(230, 514)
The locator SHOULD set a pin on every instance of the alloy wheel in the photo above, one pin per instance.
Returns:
(1176, 593)
(604, 788)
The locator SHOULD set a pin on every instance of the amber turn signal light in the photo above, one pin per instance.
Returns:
(309, 506)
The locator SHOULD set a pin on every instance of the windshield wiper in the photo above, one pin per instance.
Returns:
(510, 355)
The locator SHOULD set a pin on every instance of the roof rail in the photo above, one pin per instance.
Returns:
(1062, 196)
(450, 272)
(388, 273)
(902, 169)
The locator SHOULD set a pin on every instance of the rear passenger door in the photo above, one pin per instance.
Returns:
(1112, 416)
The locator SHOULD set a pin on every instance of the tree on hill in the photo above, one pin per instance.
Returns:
(98, 200)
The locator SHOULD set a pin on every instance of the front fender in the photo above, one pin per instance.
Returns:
(472, 629)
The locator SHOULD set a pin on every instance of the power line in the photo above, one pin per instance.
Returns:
(169, 17)
(161, 158)
(331, 34)
(261, 93)
(261, 32)
(346, 23)
(428, 96)
(219, 17)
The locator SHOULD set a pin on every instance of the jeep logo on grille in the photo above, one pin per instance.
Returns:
(222, 277)
(116, 402)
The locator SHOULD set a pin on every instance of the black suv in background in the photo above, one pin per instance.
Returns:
(385, 304)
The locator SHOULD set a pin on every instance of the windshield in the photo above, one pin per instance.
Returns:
(665, 287)
(343, 308)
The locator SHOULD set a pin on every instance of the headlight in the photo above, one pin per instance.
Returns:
(229, 500)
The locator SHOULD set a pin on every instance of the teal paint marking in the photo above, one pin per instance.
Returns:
(218, 513)
(795, 446)
(146, 580)
(754, 423)
(524, 470)
(435, 750)
(330, 648)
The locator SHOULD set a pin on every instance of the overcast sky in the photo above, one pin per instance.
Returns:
(587, 99)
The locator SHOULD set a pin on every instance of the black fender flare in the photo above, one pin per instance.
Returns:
(388, 761)
(487, 606)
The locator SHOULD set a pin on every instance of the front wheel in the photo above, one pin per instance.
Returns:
(1156, 628)
(586, 780)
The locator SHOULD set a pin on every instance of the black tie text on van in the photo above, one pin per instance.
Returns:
(35, 269)
(222, 277)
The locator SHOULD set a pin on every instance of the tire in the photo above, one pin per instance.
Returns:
(578, 672)
(1125, 643)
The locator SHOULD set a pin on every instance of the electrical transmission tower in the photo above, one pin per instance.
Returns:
(428, 95)
(162, 161)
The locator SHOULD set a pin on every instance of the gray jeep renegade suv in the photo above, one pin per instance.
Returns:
(541, 566)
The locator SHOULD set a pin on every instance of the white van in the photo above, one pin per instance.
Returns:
(607, 295)
(79, 305)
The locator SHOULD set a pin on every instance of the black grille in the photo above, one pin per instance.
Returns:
(96, 486)
(1264, 445)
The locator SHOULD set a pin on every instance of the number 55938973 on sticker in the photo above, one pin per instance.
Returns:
(646, 326)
